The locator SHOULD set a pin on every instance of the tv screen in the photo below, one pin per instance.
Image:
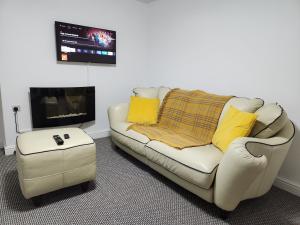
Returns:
(76, 43)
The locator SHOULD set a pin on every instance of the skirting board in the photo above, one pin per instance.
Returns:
(287, 185)
(99, 134)
(9, 150)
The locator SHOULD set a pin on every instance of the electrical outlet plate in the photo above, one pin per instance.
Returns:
(16, 106)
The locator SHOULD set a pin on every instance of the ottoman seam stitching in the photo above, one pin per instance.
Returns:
(58, 173)
(58, 149)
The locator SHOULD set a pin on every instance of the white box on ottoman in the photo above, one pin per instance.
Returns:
(43, 166)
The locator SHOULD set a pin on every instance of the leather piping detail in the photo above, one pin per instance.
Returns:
(271, 122)
(183, 163)
(61, 173)
(163, 168)
(58, 149)
(263, 103)
(114, 140)
(167, 156)
(135, 93)
(179, 176)
(257, 142)
(129, 137)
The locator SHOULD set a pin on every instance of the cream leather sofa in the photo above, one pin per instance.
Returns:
(247, 169)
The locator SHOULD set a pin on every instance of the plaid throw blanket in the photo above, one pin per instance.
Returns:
(186, 119)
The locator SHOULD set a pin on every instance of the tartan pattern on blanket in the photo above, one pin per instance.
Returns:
(186, 119)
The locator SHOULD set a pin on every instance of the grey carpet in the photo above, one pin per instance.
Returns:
(128, 192)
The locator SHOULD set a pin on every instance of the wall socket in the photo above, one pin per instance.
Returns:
(16, 108)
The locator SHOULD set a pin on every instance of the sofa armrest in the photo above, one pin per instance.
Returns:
(249, 167)
(237, 170)
(117, 113)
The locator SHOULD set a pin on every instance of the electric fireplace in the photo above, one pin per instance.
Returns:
(52, 107)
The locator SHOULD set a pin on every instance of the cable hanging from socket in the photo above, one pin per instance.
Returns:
(16, 109)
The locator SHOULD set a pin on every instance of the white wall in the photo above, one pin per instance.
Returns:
(243, 48)
(28, 54)
(2, 137)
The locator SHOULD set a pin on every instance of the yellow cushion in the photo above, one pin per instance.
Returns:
(143, 110)
(234, 124)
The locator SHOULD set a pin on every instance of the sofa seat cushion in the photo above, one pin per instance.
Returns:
(129, 138)
(197, 165)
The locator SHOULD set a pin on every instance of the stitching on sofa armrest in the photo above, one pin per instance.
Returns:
(266, 144)
(255, 135)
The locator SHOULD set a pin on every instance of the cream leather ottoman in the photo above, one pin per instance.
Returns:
(43, 166)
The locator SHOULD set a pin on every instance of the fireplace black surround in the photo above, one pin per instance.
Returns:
(52, 107)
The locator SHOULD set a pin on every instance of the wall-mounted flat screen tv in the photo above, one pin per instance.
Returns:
(76, 43)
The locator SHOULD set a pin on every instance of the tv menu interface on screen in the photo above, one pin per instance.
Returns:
(76, 43)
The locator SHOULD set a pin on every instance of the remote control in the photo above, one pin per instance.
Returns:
(58, 140)
(66, 136)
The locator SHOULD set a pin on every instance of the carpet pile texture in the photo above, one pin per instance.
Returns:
(128, 192)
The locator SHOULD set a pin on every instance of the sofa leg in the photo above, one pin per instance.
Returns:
(114, 146)
(224, 214)
(85, 186)
(37, 200)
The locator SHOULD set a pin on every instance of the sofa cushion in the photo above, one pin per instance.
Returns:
(271, 118)
(151, 92)
(143, 110)
(129, 138)
(235, 124)
(242, 104)
(197, 165)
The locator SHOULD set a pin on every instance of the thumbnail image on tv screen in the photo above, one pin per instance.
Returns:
(76, 43)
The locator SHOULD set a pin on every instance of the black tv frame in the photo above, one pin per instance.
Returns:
(88, 58)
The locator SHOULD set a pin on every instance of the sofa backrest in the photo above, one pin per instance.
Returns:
(243, 104)
(271, 117)
(152, 92)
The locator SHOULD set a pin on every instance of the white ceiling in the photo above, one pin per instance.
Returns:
(146, 1)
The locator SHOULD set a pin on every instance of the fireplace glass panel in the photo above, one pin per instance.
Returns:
(62, 106)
